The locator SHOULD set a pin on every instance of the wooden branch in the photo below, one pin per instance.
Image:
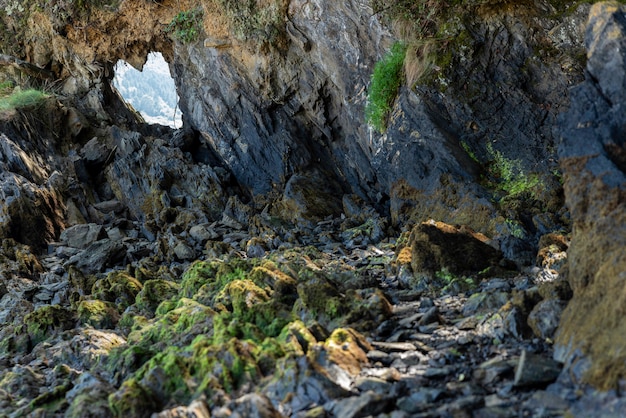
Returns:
(26, 67)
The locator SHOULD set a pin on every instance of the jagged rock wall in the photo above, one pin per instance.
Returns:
(290, 117)
(591, 336)
(300, 109)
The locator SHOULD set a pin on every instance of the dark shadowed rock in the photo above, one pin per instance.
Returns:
(436, 246)
(98, 256)
(533, 369)
(545, 316)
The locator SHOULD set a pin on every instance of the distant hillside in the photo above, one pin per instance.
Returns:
(151, 92)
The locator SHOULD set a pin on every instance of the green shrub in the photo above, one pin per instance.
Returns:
(186, 25)
(386, 80)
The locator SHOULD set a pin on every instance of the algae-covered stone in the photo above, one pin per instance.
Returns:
(348, 349)
(283, 285)
(98, 314)
(46, 320)
(81, 283)
(367, 308)
(251, 304)
(118, 287)
(154, 292)
(297, 338)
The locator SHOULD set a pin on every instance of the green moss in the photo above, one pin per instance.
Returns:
(155, 292)
(98, 314)
(19, 99)
(88, 401)
(468, 150)
(118, 287)
(233, 362)
(385, 82)
(169, 373)
(254, 22)
(367, 308)
(452, 283)
(320, 296)
(251, 304)
(127, 359)
(267, 353)
(47, 320)
(339, 336)
(197, 275)
(509, 176)
(51, 401)
(296, 338)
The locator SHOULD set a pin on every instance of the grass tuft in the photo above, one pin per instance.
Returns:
(18, 98)
(386, 80)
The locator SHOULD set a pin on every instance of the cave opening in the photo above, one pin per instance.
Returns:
(151, 92)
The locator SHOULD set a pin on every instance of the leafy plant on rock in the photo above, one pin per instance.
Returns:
(186, 25)
(253, 22)
(510, 176)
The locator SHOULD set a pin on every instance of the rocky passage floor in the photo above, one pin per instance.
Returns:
(432, 360)
(447, 347)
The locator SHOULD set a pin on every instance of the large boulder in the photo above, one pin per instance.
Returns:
(592, 153)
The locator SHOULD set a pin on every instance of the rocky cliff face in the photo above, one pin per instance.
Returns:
(102, 215)
(592, 158)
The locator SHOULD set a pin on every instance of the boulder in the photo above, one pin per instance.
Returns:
(82, 235)
(436, 246)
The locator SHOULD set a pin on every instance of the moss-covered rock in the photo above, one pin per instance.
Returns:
(118, 287)
(43, 322)
(98, 313)
(253, 305)
(283, 285)
(155, 292)
(197, 275)
(348, 349)
(319, 298)
(367, 308)
(133, 400)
